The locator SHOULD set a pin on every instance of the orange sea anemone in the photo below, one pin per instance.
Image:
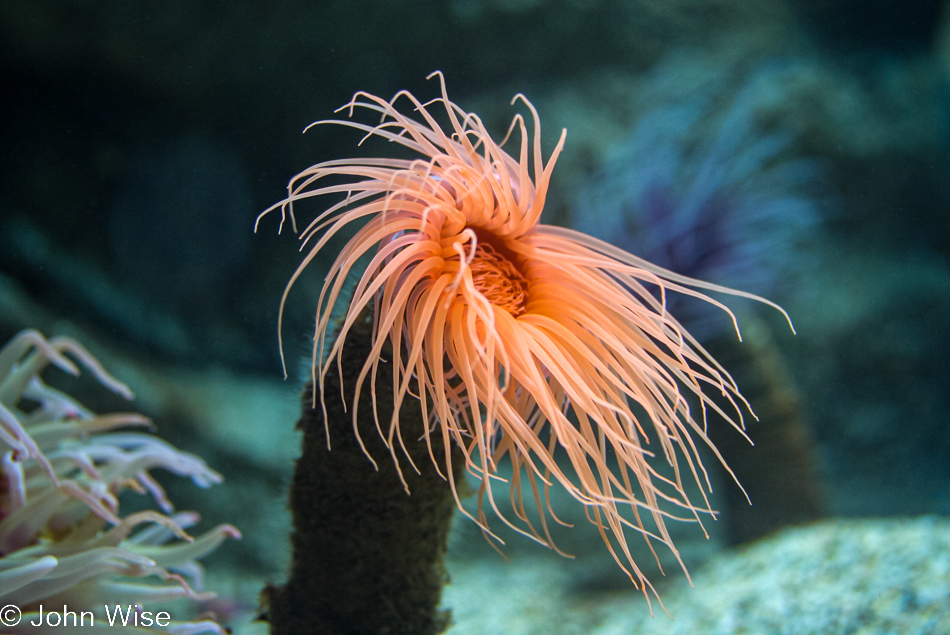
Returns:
(521, 340)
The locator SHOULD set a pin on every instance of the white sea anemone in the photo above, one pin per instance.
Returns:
(62, 540)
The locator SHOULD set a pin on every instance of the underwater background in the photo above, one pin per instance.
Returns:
(796, 150)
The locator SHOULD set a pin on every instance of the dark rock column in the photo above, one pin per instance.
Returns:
(367, 557)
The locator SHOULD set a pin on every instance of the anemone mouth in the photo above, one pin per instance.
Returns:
(497, 272)
(499, 280)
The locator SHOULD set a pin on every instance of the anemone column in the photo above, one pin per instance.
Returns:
(367, 557)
